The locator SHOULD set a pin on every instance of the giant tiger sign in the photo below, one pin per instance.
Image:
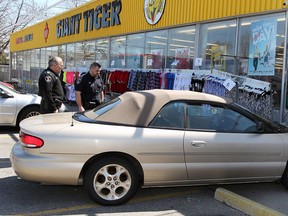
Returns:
(101, 17)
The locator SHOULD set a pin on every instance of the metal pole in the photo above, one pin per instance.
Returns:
(284, 75)
(10, 66)
(196, 45)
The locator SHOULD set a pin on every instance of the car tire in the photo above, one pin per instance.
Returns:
(111, 181)
(284, 179)
(28, 112)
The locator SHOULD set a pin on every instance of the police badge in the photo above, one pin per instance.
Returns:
(48, 79)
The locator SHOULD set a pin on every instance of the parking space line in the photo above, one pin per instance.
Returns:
(61, 210)
(87, 206)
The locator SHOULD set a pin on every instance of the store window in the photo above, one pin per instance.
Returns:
(43, 59)
(135, 50)
(260, 55)
(53, 51)
(62, 53)
(181, 48)
(25, 73)
(89, 53)
(26, 64)
(117, 52)
(102, 49)
(217, 45)
(14, 62)
(35, 60)
(46, 54)
(70, 59)
(30, 73)
(79, 54)
(155, 50)
(19, 68)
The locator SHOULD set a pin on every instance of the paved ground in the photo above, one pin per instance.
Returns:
(26, 198)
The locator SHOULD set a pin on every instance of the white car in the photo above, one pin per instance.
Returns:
(16, 106)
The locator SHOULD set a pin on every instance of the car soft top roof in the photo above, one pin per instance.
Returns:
(139, 108)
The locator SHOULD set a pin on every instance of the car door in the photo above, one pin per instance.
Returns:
(8, 106)
(221, 143)
(163, 155)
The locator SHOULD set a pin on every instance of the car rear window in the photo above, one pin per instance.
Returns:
(100, 110)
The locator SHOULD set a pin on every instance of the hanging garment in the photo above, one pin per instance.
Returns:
(258, 103)
(170, 79)
(131, 79)
(70, 77)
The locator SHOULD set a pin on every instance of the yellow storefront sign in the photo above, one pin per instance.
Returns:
(104, 18)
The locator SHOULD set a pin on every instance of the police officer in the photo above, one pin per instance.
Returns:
(50, 87)
(89, 88)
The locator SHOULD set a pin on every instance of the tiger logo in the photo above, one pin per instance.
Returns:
(153, 10)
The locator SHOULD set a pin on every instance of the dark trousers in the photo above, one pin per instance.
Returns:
(44, 108)
(91, 105)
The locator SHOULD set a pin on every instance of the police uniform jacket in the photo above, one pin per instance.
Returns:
(51, 90)
(90, 88)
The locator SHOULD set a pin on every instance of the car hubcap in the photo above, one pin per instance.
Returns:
(112, 182)
(32, 114)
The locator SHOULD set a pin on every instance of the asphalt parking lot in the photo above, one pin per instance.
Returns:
(19, 197)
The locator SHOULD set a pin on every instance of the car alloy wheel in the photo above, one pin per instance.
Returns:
(28, 112)
(111, 181)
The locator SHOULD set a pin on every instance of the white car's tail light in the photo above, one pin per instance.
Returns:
(30, 141)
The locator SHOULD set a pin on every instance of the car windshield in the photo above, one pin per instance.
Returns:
(98, 111)
(10, 87)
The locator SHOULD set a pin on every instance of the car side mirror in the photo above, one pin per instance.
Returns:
(260, 127)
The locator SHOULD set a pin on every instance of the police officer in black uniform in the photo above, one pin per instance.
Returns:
(50, 87)
(89, 88)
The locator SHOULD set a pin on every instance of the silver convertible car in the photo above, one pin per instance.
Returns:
(149, 139)
(16, 106)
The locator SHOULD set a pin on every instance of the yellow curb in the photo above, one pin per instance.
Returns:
(243, 204)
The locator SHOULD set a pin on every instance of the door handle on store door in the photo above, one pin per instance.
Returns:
(198, 144)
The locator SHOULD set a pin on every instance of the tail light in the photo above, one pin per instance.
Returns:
(30, 141)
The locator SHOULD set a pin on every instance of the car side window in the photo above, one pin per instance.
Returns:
(170, 116)
(218, 118)
(2, 92)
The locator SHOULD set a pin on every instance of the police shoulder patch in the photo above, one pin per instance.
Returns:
(48, 79)
(79, 80)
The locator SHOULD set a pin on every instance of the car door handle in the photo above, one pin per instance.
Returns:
(198, 144)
